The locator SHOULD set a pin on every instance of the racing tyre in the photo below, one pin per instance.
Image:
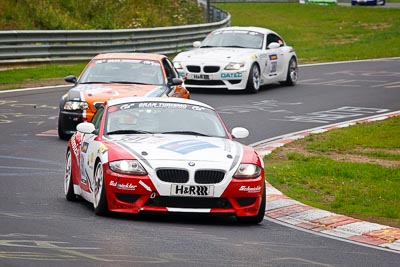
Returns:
(61, 133)
(253, 82)
(260, 215)
(292, 73)
(99, 191)
(68, 181)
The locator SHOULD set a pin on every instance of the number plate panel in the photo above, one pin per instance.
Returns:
(192, 190)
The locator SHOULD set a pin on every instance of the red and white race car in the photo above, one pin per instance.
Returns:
(156, 154)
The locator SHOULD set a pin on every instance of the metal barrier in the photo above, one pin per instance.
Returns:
(32, 47)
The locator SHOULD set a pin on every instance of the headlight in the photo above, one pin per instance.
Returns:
(234, 66)
(76, 105)
(127, 167)
(247, 171)
(178, 65)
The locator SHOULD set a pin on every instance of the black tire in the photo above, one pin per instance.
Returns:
(68, 179)
(61, 133)
(99, 191)
(292, 73)
(253, 82)
(260, 215)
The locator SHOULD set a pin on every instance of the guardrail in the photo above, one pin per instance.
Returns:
(60, 46)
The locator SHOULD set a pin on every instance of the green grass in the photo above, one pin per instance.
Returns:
(40, 72)
(38, 76)
(353, 171)
(96, 14)
(325, 33)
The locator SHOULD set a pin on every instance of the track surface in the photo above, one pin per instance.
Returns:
(38, 227)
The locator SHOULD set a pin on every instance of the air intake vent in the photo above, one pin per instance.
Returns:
(211, 69)
(193, 68)
(209, 176)
(173, 175)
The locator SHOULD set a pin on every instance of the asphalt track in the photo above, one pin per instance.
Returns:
(38, 227)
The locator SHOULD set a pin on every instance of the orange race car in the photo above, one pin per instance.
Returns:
(115, 75)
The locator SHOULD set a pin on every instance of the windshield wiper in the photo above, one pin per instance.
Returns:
(93, 82)
(185, 132)
(235, 46)
(127, 82)
(129, 132)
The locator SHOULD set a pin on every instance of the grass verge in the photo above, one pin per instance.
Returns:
(325, 33)
(353, 171)
(38, 76)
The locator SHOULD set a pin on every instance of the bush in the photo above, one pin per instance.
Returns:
(97, 14)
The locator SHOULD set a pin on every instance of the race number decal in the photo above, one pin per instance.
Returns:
(274, 63)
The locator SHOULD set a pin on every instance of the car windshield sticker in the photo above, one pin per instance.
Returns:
(187, 146)
(156, 105)
(146, 62)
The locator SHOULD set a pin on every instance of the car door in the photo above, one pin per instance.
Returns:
(276, 56)
(88, 153)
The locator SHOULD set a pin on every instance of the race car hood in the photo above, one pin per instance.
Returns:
(180, 148)
(96, 93)
(216, 55)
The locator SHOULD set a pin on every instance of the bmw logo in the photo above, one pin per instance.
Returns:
(191, 163)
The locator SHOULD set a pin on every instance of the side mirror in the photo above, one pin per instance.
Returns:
(85, 127)
(273, 45)
(240, 132)
(196, 44)
(70, 79)
(176, 81)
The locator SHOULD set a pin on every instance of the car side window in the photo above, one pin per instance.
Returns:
(97, 117)
(273, 38)
(169, 69)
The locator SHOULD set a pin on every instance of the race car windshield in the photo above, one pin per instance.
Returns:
(123, 71)
(163, 118)
(240, 39)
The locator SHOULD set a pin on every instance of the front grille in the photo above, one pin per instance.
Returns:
(192, 68)
(173, 175)
(188, 202)
(209, 176)
(129, 198)
(211, 69)
(204, 82)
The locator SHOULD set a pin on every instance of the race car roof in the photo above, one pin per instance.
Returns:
(250, 28)
(118, 101)
(137, 56)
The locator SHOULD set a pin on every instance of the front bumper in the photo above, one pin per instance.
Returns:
(134, 194)
(68, 120)
(222, 79)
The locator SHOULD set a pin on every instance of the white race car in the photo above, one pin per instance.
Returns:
(152, 154)
(238, 58)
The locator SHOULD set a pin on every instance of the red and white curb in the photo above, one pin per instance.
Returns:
(292, 212)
